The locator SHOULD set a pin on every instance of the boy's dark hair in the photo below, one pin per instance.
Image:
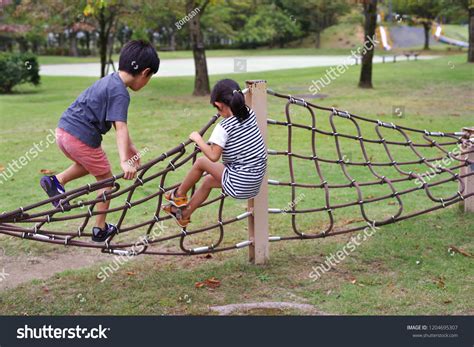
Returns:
(228, 92)
(138, 55)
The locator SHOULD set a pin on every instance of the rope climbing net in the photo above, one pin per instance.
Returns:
(33, 222)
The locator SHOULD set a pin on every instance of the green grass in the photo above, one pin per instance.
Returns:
(458, 32)
(404, 268)
(49, 59)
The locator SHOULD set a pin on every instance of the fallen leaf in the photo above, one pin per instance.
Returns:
(199, 284)
(131, 273)
(392, 203)
(447, 301)
(351, 221)
(460, 251)
(46, 172)
(353, 281)
(2, 168)
(440, 282)
(210, 283)
(213, 282)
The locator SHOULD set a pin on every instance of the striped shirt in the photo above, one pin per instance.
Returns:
(244, 156)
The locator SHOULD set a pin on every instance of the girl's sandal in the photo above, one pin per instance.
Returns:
(177, 201)
(177, 215)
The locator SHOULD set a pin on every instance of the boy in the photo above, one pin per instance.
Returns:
(80, 129)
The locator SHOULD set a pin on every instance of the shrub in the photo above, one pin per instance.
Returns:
(16, 69)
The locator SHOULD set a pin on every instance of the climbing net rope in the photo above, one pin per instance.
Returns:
(33, 221)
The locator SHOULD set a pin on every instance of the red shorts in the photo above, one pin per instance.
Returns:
(94, 160)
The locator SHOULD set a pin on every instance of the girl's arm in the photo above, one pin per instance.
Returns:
(212, 152)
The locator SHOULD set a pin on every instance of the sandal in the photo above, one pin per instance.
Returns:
(177, 215)
(177, 201)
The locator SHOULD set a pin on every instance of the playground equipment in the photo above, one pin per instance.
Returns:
(31, 222)
(441, 38)
(384, 38)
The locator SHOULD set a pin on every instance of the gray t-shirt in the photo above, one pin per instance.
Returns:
(92, 114)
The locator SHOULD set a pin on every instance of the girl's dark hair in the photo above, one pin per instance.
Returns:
(138, 55)
(228, 92)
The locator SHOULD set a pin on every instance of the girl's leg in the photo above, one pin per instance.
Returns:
(201, 165)
(73, 172)
(201, 195)
(102, 206)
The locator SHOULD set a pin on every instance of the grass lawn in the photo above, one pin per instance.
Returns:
(405, 268)
(458, 32)
(49, 59)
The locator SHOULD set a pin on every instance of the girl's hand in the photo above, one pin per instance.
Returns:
(195, 137)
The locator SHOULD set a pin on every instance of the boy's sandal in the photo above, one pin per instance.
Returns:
(177, 201)
(182, 222)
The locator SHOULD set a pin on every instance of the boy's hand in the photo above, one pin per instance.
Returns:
(133, 152)
(129, 171)
(195, 137)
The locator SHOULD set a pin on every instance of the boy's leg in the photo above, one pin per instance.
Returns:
(102, 206)
(71, 173)
(201, 165)
(201, 195)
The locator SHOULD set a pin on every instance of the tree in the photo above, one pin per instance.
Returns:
(315, 15)
(468, 6)
(425, 11)
(470, 53)
(275, 29)
(195, 9)
(52, 16)
(370, 24)
(107, 14)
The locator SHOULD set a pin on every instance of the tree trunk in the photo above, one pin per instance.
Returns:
(88, 43)
(470, 53)
(317, 40)
(172, 43)
(102, 42)
(23, 45)
(370, 14)
(201, 81)
(427, 27)
(73, 44)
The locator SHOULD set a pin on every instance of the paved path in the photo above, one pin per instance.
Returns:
(227, 65)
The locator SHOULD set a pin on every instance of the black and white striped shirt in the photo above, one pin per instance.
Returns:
(244, 156)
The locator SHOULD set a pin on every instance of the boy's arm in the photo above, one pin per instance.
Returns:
(124, 147)
(212, 152)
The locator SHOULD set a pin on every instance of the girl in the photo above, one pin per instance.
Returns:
(244, 156)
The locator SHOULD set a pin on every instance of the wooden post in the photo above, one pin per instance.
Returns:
(468, 204)
(256, 99)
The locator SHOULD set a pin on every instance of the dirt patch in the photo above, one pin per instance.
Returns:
(15, 270)
(267, 308)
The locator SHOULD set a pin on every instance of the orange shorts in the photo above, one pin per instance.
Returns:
(94, 160)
